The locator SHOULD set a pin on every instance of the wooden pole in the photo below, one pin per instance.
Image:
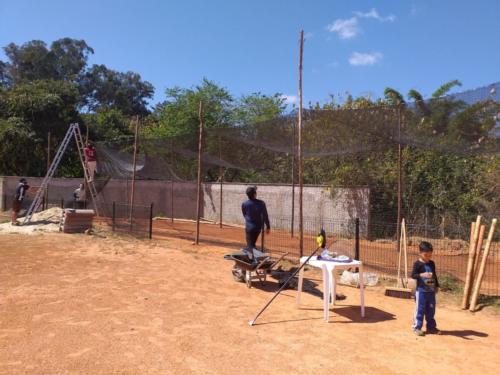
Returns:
(398, 229)
(482, 267)
(470, 264)
(221, 177)
(46, 193)
(478, 251)
(198, 200)
(48, 151)
(134, 163)
(172, 181)
(301, 179)
(400, 281)
(293, 179)
(405, 249)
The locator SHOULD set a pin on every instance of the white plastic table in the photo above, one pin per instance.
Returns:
(329, 282)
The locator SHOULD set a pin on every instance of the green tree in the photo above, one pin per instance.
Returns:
(106, 88)
(20, 151)
(65, 60)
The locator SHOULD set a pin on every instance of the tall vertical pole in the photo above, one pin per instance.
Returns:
(221, 177)
(198, 201)
(301, 179)
(293, 179)
(113, 217)
(151, 221)
(134, 163)
(48, 151)
(398, 228)
(172, 181)
(46, 193)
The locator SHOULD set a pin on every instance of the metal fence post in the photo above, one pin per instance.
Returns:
(356, 243)
(62, 203)
(113, 218)
(151, 221)
(356, 248)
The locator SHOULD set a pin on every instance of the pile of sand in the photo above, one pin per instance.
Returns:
(41, 222)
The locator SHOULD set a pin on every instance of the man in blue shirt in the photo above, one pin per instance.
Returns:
(255, 214)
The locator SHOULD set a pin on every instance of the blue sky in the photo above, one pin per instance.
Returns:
(249, 46)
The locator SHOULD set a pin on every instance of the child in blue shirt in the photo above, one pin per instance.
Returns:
(424, 271)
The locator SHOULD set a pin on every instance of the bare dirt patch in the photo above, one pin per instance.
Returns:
(81, 304)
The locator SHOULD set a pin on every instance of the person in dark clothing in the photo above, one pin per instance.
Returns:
(18, 199)
(424, 271)
(255, 213)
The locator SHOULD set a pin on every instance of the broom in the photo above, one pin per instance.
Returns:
(401, 290)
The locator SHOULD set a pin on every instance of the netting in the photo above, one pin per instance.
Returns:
(341, 148)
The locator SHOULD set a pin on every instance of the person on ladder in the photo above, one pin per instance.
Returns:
(90, 160)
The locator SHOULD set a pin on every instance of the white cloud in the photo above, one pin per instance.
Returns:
(290, 99)
(413, 10)
(374, 14)
(346, 29)
(358, 58)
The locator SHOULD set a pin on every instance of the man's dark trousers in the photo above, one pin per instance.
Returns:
(251, 237)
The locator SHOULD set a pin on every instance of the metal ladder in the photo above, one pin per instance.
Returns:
(74, 130)
(88, 179)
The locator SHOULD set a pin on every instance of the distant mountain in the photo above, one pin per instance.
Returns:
(491, 92)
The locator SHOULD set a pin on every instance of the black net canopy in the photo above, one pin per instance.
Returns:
(268, 151)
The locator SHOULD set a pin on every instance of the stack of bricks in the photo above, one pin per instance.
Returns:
(76, 221)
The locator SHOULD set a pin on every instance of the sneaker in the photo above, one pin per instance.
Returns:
(433, 331)
(15, 223)
(418, 332)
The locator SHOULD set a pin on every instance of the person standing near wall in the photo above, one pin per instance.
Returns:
(21, 189)
(79, 197)
(255, 213)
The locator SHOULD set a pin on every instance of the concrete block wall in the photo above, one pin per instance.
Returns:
(336, 210)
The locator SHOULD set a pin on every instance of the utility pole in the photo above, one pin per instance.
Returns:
(400, 179)
(198, 201)
(134, 164)
(301, 177)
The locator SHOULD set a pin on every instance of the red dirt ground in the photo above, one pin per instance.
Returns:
(91, 305)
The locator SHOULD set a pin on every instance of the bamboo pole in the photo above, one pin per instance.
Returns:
(134, 164)
(477, 253)
(470, 264)
(198, 200)
(482, 267)
(301, 177)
